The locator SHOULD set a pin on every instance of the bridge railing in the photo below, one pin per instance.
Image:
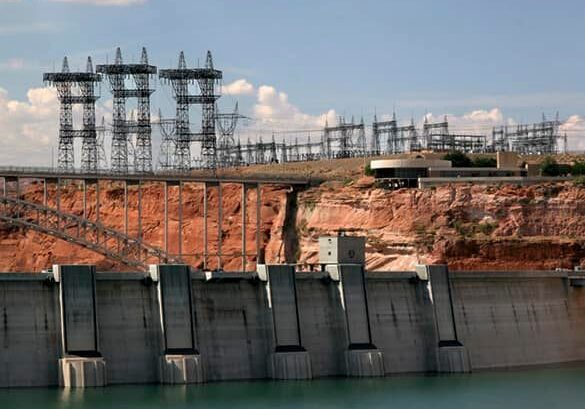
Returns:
(194, 175)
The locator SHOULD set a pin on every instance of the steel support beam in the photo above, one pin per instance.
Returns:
(244, 206)
(97, 200)
(205, 249)
(84, 199)
(258, 216)
(180, 217)
(166, 216)
(139, 233)
(126, 207)
(219, 225)
(44, 191)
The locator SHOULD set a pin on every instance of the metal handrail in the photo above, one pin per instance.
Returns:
(106, 173)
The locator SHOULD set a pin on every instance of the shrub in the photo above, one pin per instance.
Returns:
(549, 167)
(458, 159)
(487, 228)
(579, 181)
(485, 162)
(368, 170)
(578, 169)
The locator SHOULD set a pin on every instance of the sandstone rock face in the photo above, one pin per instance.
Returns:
(469, 227)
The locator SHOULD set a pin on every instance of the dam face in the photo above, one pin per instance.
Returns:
(76, 327)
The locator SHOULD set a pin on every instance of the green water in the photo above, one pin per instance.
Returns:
(552, 388)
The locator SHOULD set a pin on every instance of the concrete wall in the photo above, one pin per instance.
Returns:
(30, 331)
(509, 320)
(503, 319)
(129, 327)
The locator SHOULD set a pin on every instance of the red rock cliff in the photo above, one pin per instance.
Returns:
(469, 227)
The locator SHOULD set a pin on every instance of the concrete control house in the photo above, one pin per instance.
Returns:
(405, 172)
(421, 172)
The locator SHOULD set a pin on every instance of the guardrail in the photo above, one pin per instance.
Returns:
(24, 171)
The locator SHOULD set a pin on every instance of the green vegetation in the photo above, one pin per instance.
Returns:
(368, 170)
(578, 169)
(550, 167)
(579, 181)
(461, 160)
(458, 159)
(487, 228)
(472, 228)
(484, 162)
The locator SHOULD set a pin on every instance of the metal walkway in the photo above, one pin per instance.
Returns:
(74, 229)
(159, 176)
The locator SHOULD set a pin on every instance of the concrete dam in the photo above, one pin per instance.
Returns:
(76, 327)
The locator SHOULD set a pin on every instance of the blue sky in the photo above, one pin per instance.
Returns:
(348, 57)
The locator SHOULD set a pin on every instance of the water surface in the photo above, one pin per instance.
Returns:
(535, 389)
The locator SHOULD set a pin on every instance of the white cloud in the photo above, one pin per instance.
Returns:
(238, 87)
(104, 2)
(574, 128)
(30, 128)
(12, 64)
(274, 109)
(478, 121)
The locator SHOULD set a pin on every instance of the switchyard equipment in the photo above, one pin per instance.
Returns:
(206, 78)
(229, 154)
(436, 135)
(167, 145)
(219, 147)
(399, 139)
(539, 138)
(346, 140)
(85, 82)
(117, 74)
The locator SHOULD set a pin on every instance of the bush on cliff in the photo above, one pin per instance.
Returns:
(578, 169)
(549, 167)
(458, 159)
(579, 181)
(461, 160)
(368, 170)
(484, 162)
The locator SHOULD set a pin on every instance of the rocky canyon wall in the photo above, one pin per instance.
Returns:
(468, 227)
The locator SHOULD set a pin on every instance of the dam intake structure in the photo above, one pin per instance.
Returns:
(76, 327)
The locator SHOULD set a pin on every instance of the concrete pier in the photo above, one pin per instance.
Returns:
(81, 364)
(452, 356)
(495, 319)
(180, 362)
(362, 357)
(289, 360)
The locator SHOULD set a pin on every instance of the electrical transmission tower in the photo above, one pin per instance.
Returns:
(101, 151)
(436, 135)
(65, 81)
(167, 145)
(180, 79)
(117, 74)
(537, 139)
(350, 139)
(226, 144)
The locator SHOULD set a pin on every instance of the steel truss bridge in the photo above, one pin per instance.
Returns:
(117, 245)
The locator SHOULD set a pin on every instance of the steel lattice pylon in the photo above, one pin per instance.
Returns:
(117, 73)
(180, 79)
(228, 154)
(65, 81)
